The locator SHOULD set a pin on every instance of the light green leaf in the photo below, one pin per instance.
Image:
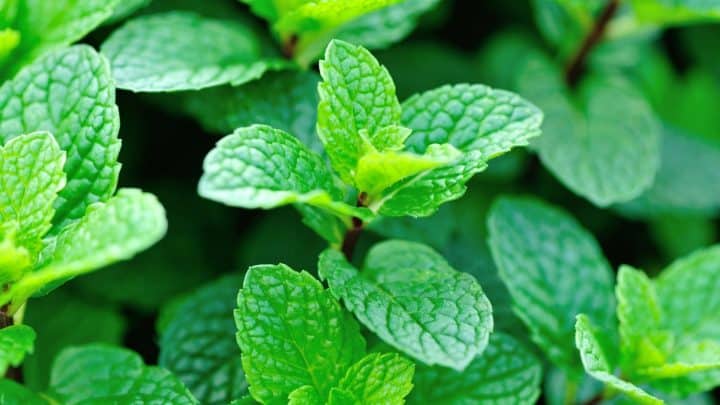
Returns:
(506, 372)
(31, 174)
(285, 100)
(9, 40)
(306, 395)
(470, 117)
(272, 9)
(70, 94)
(592, 349)
(127, 224)
(676, 12)
(356, 94)
(377, 378)
(687, 360)
(263, 167)
(16, 342)
(640, 317)
(198, 343)
(554, 270)
(126, 8)
(283, 345)
(101, 374)
(14, 259)
(604, 144)
(12, 393)
(181, 51)
(48, 25)
(377, 171)
(421, 307)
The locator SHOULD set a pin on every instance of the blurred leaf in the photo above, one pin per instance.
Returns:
(672, 12)
(16, 342)
(680, 235)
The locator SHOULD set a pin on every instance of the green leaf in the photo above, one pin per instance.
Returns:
(198, 343)
(70, 94)
(285, 100)
(283, 345)
(181, 51)
(127, 224)
(16, 342)
(306, 395)
(377, 378)
(554, 270)
(14, 259)
(414, 301)
(31, 174)
(356, 94)
(470, 117)
(506, 372)
(50, 316)
(48, 25)
(97, 374)
(592, 347)
(14, 393)
(263, 167)
(676, 12)
(603, 144)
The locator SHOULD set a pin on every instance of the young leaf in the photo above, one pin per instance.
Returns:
(284, 346)
(592, 349)
(554, 270)
(47, 25)
(607, 150)
(31, 174)
(105, 374)
(263, 167)
(356, 94)
(505, 372)
(14, 393)
(419, 306)
(181, 51)
(16, 342)
(14, 259)
(376, 378)
(205, 356)
(127, 224)
(70, 94)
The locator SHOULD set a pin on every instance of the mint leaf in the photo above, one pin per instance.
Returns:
(305, 395)
(674, 12)
(127, 224)
(506, 372)
(180, 51)
(31, 174)
(470, 117)
(263, 167)
(16, 342)
(14, 259)
(285, 100)
(356, 94)
(604, 146)
(105, 374)
(421, 307)
(70, 94)
(14, 393)
(592, 347)
(284, 347)
(205, 357)
(48, 25)
(529, 241)
(376, 378)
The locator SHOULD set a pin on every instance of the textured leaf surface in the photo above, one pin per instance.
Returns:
(70, 94)
(429, 311)
(47, 25)
(505, 372)
(554, 270)
(31, 174)
(97, 374)
(198, 344)
(594, 358)
(16, 342)
(127, 224)
(263, 167)
(292, 333)
(284, 100)
(470, 117)
(181, 51)
(14, 259)
(378, 378)
(356, 94)
(12, 393)
(607, 150)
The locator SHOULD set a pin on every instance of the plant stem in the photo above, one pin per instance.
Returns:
(575, 68)
(353, 234)
(290, 46)
(595, 400)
